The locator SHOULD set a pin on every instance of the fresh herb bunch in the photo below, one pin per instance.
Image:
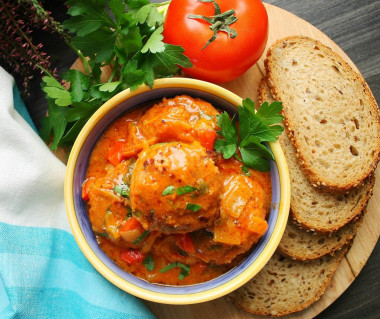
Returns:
(125, 35)
(255, 128)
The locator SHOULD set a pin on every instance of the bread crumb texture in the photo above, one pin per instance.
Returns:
(330, 112)
(302, 244)
(285, 286)
(313, 208)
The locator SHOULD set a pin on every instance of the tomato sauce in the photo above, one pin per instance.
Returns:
(163, 205)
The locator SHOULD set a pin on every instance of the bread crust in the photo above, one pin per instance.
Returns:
(299, 243)
(319, 217)
(315, 176)
(268, 294)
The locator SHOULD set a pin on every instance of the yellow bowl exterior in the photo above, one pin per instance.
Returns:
(172, 298)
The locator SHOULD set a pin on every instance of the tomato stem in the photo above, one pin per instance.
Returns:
(218, 22)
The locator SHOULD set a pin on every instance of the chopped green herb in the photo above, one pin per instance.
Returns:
(143, 235)
(185, 270)
(104, 234)
(193, 207)
(168, 190)
(255, 127)
(122, 190)
(149, 263)
(186, 189)
(129, 213)
(245, 170)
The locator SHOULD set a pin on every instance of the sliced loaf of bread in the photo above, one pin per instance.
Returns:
(285, 286)
(330, 113)
(313, 208)
(298, 243)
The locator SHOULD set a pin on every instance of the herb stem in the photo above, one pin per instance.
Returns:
(114, 70)
(86, 66)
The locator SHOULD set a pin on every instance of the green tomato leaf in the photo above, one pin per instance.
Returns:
(155, 43)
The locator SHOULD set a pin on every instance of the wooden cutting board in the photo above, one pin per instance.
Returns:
(281, 24)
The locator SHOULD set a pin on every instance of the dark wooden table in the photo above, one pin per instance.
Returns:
(355, 26)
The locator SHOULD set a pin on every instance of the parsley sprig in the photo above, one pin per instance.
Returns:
(125, 35)
(255, 128)
(185, 269)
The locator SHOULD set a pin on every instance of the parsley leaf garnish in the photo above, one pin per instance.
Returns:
(193, 207)
(168, 190)
(149, 263)
(255, 127)
(185, 270)
(141, 237)
(122, 190)
(185, 189)
(124, 35)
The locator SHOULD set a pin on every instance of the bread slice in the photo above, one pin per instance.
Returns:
(285, 286)
(300, 244)
(313, 208)
(330, 113)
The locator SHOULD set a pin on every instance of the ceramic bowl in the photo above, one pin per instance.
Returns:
(76, 209)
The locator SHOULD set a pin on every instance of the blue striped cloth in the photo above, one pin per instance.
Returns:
(43, 273)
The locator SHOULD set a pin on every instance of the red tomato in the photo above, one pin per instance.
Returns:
(131, 256)
(184, 242)
(115, 153)
(86, 186)
(207, 138)
(226, 58)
